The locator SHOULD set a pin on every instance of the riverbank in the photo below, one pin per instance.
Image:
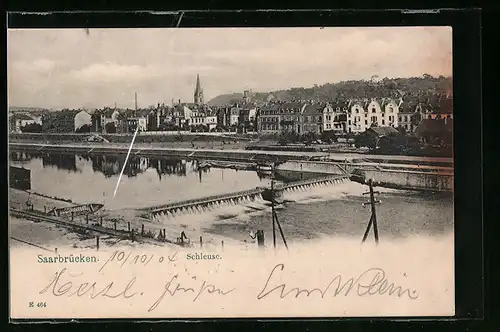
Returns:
(50, 235)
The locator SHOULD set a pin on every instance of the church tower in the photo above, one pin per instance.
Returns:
(198, 92)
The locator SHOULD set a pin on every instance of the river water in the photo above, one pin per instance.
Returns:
(316, 213)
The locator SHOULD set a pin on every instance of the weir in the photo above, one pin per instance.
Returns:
(200, 205)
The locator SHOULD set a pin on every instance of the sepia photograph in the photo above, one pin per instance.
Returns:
(278, 172)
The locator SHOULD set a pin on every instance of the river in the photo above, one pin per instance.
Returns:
(313, 214)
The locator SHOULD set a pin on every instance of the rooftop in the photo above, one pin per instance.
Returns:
(384, 131)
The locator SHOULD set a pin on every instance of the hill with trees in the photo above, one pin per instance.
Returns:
(425, 85)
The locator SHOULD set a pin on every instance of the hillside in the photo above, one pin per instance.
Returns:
(425, 85)
(24, 109)
(225, 99)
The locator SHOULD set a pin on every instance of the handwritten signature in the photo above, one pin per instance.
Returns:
(64, 283)
(371, 282)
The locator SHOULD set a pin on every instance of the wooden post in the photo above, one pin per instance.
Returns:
(281, 230)
(222, 245)
(97, 242)
(260, 238)
(87, 218)
(374, 212)
(128, 226)
(201, 241)
(55, 250)
(373, 217)
(115, 224)
(142, 230)
(72, 215)
(44, 209)
(132, 235)
(101, 221)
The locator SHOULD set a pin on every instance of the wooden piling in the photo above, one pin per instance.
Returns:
(222, 242)
(55, 249)
(281, 230)
(97, 242)
(101, 221)
(87, 218)
(72, 215)
(260, 238)
(142, 230)
(44, 209)
(201, 241)
(373, 217)
(128, 226)
(115, 224)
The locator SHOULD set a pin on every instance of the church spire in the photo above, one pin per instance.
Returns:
(198, 92)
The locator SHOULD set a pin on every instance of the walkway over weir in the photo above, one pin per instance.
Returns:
(238, 197)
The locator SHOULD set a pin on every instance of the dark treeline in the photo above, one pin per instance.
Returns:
(426, 85)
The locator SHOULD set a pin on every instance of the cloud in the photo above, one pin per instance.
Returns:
(37, 66)
(67, 68)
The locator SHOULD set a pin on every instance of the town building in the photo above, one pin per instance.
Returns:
(290, 114)
(247, 117)
(363, 114)
(100, 118)
(311, 118)
(140, 119)
(269, 119)
(435, 131)
(234, 116)
(19, 120)
(409, 114)
(335, 117)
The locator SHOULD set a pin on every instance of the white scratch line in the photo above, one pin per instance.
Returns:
(125, 163)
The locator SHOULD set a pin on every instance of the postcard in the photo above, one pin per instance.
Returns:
(231, 173)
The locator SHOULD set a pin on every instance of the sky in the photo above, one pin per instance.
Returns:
(68, 68)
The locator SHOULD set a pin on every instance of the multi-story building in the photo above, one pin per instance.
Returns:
(290, 116)
(140, 119)
(269, 119)
(234, 116)
(335, 117)
(247, 117)
(363, 114)
(311, 118)
(100, 118)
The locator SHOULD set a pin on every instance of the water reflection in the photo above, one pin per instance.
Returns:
(145, 182)
(109, 165)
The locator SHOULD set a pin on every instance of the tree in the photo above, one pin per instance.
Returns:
(111, 128)
(31, 128)
(401, 129)
(287, 137)
(367, 140)
(83, 129)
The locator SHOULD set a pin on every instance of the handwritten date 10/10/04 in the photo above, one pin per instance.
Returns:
(122, 258)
